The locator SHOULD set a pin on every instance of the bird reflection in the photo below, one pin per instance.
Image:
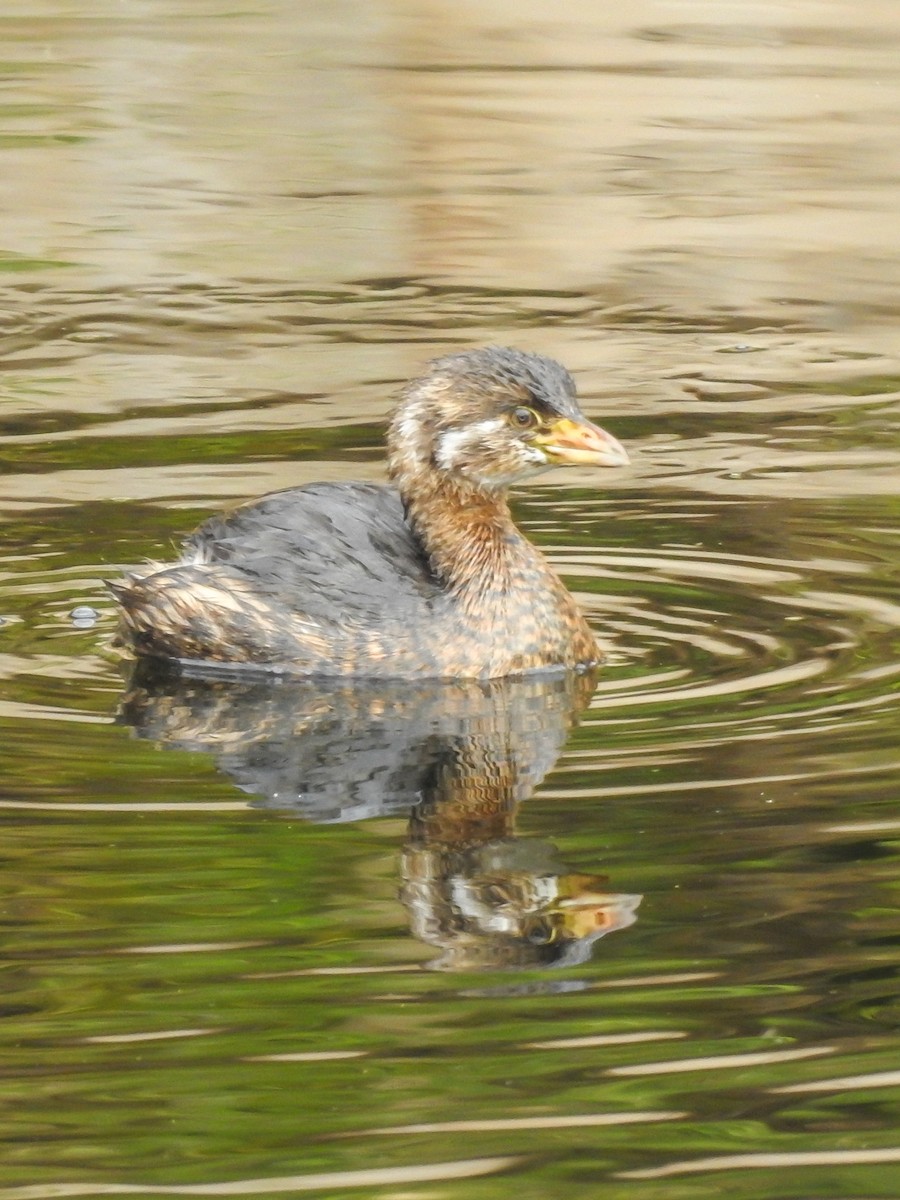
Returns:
(459, 757)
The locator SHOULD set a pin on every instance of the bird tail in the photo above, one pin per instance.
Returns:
(188, 612)
(154, 611)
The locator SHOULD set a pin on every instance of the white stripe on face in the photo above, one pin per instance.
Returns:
(449, 444)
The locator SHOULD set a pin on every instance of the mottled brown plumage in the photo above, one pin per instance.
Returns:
(429, 577)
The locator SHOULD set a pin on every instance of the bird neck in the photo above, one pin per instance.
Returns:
(467, 532)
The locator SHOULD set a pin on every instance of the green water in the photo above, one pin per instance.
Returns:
(636, 942)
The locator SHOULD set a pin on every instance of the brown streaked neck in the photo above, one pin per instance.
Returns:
(466, 531)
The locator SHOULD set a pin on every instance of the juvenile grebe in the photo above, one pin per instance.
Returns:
(428, 577)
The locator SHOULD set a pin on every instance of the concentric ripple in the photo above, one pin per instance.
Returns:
(729, 665)
(712, 625)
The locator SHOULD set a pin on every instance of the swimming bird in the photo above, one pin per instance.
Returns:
(427, 576)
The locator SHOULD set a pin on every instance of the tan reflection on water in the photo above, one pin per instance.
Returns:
(511, 1124)
(719, 1062)
(706, 160)
(373, 1177)
(734, 1162)
(720, 147)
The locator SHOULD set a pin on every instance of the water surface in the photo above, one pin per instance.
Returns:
(637, 941)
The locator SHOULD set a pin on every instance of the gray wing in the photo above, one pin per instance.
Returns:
(325, 550)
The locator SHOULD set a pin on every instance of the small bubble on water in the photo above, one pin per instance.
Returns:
(83, 616)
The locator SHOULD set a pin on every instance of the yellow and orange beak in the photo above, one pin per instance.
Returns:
(568, 441)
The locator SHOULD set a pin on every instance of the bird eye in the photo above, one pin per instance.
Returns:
(523, 418)
(539, 931)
